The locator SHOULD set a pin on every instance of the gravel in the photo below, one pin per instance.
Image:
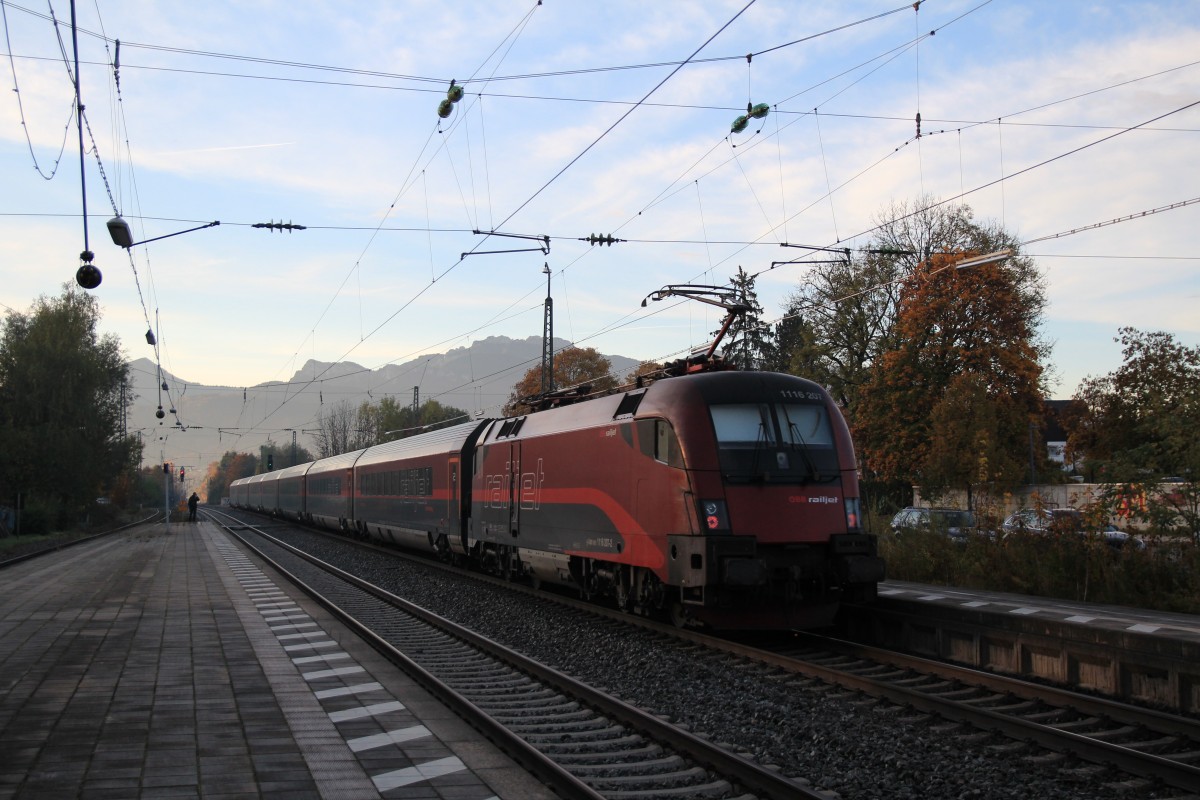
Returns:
(839, 741)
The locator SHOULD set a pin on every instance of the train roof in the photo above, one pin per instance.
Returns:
(332, 463)
(667, 396)
(294, 471)
(443, 440)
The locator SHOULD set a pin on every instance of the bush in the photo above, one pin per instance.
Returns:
(103, 515)
(1164, 577)
(36, 519)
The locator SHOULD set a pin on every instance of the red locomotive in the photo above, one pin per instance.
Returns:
(727, 499)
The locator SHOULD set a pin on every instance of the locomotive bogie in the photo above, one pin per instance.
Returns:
(545, 567)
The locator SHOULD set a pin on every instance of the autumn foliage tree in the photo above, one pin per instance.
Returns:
(642, 369)
(951, 404)
(1142, 418)
(1138, 425)
(573, 367)
(224, 472)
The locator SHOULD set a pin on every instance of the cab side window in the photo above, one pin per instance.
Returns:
(657, 440)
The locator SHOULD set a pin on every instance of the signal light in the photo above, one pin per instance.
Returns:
(181, 474)
(716, 515)
(270, 461)
(166, 469)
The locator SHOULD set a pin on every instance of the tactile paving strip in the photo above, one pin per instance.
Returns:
(401, 756)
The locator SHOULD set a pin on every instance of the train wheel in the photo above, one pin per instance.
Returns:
(622, 589)
(649, 594)
(505, 557)
(678, 614)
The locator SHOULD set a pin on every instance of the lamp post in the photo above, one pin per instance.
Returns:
(548, 338)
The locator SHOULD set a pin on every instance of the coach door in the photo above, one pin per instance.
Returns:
(453, 499)
(514, 488)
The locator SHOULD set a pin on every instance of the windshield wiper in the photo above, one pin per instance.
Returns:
(759, 445)
(794, 433)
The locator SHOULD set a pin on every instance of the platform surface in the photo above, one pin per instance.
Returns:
(168, 663)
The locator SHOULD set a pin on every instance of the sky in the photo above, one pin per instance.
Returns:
(578, 118)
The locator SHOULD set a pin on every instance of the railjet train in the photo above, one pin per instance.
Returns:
(722, 499)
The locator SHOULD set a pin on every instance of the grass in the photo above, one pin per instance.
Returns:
(13, 546)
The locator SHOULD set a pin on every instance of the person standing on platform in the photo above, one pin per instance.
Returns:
(192, 502)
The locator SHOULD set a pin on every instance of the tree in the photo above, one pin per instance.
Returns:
(749, 342)
(1141, 419)
(62, 406)
(837, 322)
(971, 434)
(840, 319)
(573, 367)
(224, 472)
(399, 422)
(960, 336)
(344, 428)
(339, 427)
(644, 368)
(283, 455)
(1137, 426)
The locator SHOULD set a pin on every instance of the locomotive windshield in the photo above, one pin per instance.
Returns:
(775, 443)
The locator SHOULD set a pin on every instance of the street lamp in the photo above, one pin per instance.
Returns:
(987, 258)
(118, 230)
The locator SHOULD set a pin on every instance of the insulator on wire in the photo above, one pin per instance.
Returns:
(739, 124)
(454, 93)
(759, 111)
(445, 109)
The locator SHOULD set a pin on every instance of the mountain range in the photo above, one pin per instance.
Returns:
(200, 423)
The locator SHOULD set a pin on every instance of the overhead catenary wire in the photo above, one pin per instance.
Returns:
(424, 289)
(777, 120)
(441, 81)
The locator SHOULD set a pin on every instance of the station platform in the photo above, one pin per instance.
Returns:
(165, 662)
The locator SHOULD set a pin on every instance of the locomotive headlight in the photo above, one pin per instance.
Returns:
(853, 513)
(716, 517)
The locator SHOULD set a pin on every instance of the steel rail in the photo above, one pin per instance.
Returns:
(521, 751)
(1135, 762)
(738, 769)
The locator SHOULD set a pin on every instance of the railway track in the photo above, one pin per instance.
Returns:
(580, 740)
(1048, 724)
(1139, 741)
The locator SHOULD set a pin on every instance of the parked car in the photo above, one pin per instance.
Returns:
(1067, 521)
(956, 523)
